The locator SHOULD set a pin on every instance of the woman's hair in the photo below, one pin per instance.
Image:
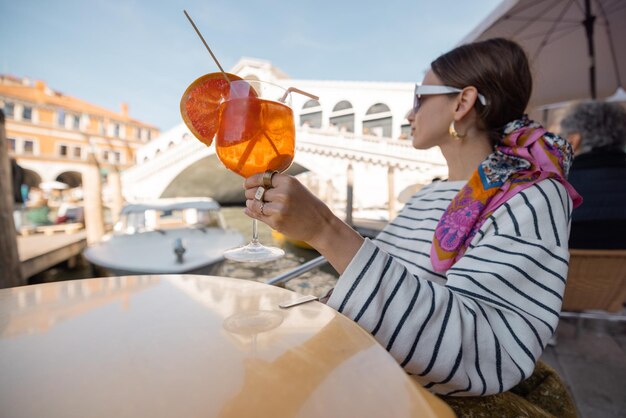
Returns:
(499, 70)
(599, 124)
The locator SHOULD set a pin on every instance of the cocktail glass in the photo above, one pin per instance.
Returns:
(256, 133)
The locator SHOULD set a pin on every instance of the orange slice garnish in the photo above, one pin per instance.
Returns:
(200, 102)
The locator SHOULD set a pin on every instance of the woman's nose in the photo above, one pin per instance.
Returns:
(411, 116)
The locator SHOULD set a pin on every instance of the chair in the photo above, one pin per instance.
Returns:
(596, 285)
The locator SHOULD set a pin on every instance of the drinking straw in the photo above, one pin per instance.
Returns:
(250, 146)
(295, 90)
(207, 46)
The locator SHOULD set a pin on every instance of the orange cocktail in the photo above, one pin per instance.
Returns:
(254, 134)
(254, 130)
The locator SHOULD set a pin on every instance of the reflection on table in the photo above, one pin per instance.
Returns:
(180, 346)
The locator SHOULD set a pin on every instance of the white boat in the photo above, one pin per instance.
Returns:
(167, 236)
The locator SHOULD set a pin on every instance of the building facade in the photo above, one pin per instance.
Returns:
(53, 136)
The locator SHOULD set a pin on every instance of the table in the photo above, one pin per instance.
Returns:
(191, 346)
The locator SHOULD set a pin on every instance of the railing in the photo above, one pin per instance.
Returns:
(382, 151)
(301, 269)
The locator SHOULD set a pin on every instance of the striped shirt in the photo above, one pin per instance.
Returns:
(480, 327)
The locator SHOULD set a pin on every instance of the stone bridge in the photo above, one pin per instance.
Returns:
(177, 164)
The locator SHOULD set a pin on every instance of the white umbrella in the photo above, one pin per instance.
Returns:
(576, 47)
(53, 185)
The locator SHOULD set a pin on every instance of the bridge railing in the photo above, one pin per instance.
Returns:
(384, 151)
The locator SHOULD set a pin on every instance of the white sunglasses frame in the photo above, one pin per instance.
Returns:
(429, 90)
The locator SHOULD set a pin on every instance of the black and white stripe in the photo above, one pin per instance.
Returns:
(479, 328)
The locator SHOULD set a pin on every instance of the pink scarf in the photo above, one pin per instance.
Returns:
(527, 154)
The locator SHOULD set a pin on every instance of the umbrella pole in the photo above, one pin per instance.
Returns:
(10, 265)
(589, 23)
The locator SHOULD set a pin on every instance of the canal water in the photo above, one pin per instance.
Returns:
(316, 282)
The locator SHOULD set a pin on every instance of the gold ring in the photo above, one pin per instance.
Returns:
(260, 192)
(267, 178)
(262, 205)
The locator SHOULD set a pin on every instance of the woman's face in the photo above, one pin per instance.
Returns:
(429, 125)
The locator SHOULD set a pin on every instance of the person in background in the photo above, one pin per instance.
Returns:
(597, 132)
(464, 287)
(39, 212)
(17, 174)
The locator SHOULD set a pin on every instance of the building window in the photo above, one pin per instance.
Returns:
(29, 146)
(75, 122)
(63, 150)
(342, 116)
(78, 152)
(311, 114)
(105, 155)
(377, 121)
(27, 113)
(9, 110)
(117, 156)
(116, 130)
(11, 144)
(149, 134)
(102, 127)
(61, 117)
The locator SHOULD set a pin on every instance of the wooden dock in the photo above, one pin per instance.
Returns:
(40, 252)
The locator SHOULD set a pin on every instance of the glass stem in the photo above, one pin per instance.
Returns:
(255, 232)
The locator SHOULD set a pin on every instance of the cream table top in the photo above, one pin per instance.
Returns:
(191, 346)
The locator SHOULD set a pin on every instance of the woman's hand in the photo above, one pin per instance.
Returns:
(288, 207)
(293, 210)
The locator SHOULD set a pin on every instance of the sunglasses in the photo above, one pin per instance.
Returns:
(430, 90)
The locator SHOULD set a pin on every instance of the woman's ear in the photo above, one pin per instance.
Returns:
(575, 139)
(465, 102)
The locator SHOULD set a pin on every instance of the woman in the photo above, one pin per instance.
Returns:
(464, 287)
(597, 132)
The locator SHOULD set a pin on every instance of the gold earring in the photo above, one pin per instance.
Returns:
(454, 134)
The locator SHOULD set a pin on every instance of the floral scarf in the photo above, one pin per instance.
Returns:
(527, 154)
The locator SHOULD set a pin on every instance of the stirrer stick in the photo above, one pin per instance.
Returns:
(207, 46)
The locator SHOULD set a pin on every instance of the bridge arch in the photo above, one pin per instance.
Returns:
(311, 114)
(31, 178)
(378, 121)
(208, 177)
(342, 116)
(71, 178)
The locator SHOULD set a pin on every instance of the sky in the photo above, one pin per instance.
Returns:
(146, 53)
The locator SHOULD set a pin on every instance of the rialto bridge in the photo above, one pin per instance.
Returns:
(176, 164)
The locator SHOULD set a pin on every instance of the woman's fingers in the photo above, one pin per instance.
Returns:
(256, 180)
(261, 210)
(268, 196)
(288, 206)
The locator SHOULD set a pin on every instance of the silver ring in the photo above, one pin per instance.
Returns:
(260, 192)
(267, 178)
(262, 206)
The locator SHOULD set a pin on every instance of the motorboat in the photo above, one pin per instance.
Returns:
(167, 236)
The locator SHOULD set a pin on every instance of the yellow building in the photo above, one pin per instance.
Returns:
(52, 135)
